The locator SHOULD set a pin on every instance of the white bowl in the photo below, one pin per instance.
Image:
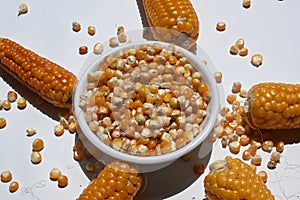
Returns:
(107, 154)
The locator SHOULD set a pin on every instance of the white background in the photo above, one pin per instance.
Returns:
(269, 27)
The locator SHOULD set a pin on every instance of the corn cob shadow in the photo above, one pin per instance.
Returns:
(44, 107)
(288, 136)
(158, 184)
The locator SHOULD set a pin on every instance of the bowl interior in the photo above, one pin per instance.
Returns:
(206, 125)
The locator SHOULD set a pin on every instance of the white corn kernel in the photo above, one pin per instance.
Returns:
(256, 60)
(23, 9)
(98, 48)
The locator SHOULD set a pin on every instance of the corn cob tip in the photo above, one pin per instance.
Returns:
(231, 178)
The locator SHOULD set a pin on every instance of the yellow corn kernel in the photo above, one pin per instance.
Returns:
(2, 122)
(233, 179)
(273, 106)
(6, 176)
(49, 80)
(178, 16)
(13, 186)
(117, 180)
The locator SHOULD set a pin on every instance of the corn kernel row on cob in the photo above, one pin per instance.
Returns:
(49, 80)
(233, 179)
(179, 16)
(117, 181)
(273, 106)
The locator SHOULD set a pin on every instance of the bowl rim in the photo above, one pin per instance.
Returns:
(209, 120)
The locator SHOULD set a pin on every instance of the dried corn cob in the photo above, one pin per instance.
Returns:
(273, 106)
(179, 16)
(116, 181)
(233, 179)
(52, 82)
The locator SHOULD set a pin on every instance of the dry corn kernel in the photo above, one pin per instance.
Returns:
(199, 167)
(246, 3)
(2, 122)
(122, 37)
(113, 42)
(59, 130)
(243, 51)
(6, 176)
(54, 174)
(263, 175)
(23, 9)
(234, 147)
(76, 26)
(6, 105)
(72, 127)
(36, 157)
(236, 87)
(83, 50)
(275, 156)
(120, 29)
(12, 96)
(267, 145)
(272, 164)
(13, 186)
(257, 60)
(234, 50)
(62, 181)
(280, 146)
(91, 30)
(22, 103)
(246, 154)
(240, 43)
(233, 179)
(30, 131)
(218, 77)
(37, 144)
(256, 160)
(243, 93)
(231, 98)
(98, 48)
(244, 140)
(221, 26)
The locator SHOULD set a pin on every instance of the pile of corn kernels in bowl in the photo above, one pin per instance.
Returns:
(145, 100)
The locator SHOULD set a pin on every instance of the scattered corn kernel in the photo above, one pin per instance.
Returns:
(83, 50)
(30, 131)
(76, 26)
(2, 122)
(98, 48)
(36, 157)
(122, 37)
(199, 167)
(120, 29)
(221, 26)
(236, 87)
(113, 42)
(263, 175)
(243, 51)
(13, 186)
(72, 127)
(243, 93)
(280, 146)
(54, 174)
(275, 156)
(62, 181)
(256, 160)
(91, 30)
(244, 140)
(272, 164)
(234, 50)
(22, 103)
(37, 144)
(218, 77)
(267, 145)
(246, 155)
(6, 176)
(234, 147)
(257, 60)
(6, 105)
(59, 130)
(246, 3)
(240, 43)
(90, 166)
(23, 9)
(231, 98)
(12, 96)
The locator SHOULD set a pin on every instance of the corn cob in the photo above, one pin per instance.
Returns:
(231, 178)
(118, 181)
(179, 16)
(273, 106)
(52, 82)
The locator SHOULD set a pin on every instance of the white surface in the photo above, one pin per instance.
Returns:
(268, 27)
